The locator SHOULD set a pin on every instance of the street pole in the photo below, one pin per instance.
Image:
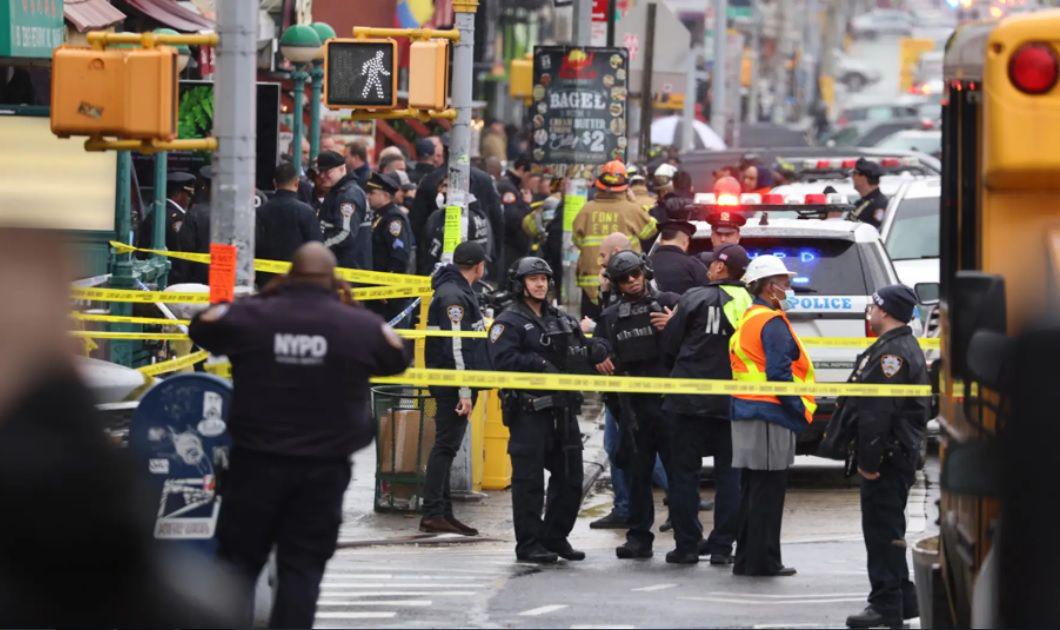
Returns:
(717, 77)
(235, 127)
(611, 10)
(583, 22)
(756, 54)
(646, 104)
(688, 114)
(299, 77)
(122, 275)
(158, 237)
(460, 96)
(316, 88)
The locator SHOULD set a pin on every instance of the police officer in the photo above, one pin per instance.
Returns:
(696, 345)
(301, 359)
(180, 187)
(725, 224)
(284, 223)
(454, 306)
(872, 207)
(391, 247)
(478, 231)
(890, 433)
(512, 189)
(345, 219)
(675, 270)
(629, 330)
(533, 336)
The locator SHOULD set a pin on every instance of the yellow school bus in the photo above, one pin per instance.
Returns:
(994, 561)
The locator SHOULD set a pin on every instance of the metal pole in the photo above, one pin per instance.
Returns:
(158, 238)
(316, 88)
(460, 96)
(235, 127)
(583, 22)
(756, 54)
(717, 78)
(299, 77)
(688, 114)
(646, 104)
(611, 10)
(122, 276)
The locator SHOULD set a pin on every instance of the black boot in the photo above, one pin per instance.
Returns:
(683, 556)
(632, 550)
(871, 618)
(537, 553)
(611, 521)
(563, 549)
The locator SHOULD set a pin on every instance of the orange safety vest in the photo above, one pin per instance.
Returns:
(748, 357)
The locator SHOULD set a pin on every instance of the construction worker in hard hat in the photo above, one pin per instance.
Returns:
(610, 211)
(662, 180)
(764, 427)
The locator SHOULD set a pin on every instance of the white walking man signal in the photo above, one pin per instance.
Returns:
(373, 68)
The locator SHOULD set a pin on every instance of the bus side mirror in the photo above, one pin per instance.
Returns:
(927, 293)
(978, 304)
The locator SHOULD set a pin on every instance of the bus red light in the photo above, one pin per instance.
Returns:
(1033, 68)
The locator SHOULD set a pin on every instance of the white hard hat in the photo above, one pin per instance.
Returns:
(765, 266)
(666, 170)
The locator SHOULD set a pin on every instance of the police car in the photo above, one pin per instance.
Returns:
(839, 264)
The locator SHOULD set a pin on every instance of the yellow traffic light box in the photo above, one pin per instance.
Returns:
(428, 74)
(521, 78)
(360, 74)
(128, 93)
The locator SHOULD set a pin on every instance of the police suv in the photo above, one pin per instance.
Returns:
(839, 264)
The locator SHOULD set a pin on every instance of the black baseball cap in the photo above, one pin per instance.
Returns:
(424, 147)
(328, 160)
(468, 253)
(735, 258)
(867, 168)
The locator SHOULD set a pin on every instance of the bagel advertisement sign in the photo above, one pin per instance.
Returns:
(578, 114)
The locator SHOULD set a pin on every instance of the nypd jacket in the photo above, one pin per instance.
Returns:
(392, 247)
(872, 208)
(695, 343)
(626, 332)
(675, 270)
(345, 222)
(520, 341)
(301, 360)
(478, 230)
(454, 307)
(890, 424)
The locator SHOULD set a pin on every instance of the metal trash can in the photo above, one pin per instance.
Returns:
(930, 591)
(404, 435)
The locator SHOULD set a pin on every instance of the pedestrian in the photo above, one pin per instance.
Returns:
(495, 141)
(454, 307)
(301, 359)
(696, 345)
(180, 188)
(391, 163)
(533, 336)
(194, 234)
(424, 149)
(629, 331)
(890, 435)
(872, 207)
(345, 219)
(515, 200)
(756, 178)
(610, 211)
(284, 223)
(766, 348)
(356, 160)
(392, 247)
(675, 270)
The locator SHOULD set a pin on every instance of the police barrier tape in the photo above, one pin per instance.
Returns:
(100, 334)
(279, 266)
(123, 319)
(178, 297)
(173, 365)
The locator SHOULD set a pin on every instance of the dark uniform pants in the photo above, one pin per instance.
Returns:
(691, 437)
(760, 517)
(652, 438)
(542, 441)
(883, 523)
(449, 434)
(294, 503)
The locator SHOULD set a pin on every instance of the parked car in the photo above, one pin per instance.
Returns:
(923, 140)
(854, 73)
(882, 22)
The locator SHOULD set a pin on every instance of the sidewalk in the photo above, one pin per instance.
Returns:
(492, 516)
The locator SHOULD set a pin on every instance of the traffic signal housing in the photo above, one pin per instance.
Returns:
(123, 92)
(360, 74)
(428, 74)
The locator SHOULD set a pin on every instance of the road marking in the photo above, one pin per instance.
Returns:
(653, 588)
(604, 627)
(332, 591)
(543, 610)
(411, 603)
(353, 585)
(387, 576)
(792, 596)
(781, 602)
(356, 615)
(779, 626)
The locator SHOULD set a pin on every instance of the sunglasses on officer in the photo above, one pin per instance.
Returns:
(636, 274)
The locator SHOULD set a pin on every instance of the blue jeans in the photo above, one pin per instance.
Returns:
(619, 479)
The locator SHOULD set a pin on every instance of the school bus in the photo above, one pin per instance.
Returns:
(998, 550)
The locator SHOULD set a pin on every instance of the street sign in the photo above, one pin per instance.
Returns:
(360, 73)
(180, 443)
(579, 110)
(672, 42)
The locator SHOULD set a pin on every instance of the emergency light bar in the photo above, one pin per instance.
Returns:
(837, 164)
(772, 200)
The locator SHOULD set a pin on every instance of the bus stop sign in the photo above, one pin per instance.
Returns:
(180, 442)
(360, 74)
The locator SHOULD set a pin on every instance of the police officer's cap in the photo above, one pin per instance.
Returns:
(328, 160)
(867, 168)
(180, 179)
(897, 300)
(469, 253)
(678, 215)
(726, 220)
(385, 182)
(623, 263)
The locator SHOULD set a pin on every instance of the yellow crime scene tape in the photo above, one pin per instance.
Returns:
(96, 294)
(122, 319)
(364, 276)
(100, 334)
(173, 365)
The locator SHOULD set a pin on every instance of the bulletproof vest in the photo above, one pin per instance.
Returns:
(559, 340)
(632, 334)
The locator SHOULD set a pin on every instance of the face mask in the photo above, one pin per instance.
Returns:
(439, 200)
(789, 302)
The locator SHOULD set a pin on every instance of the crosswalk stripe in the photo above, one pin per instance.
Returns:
(338, 603)
(795, 596)
(333, 591)
(781, 602)
(355, 585)
(392, 576)
(356, 615)
(653, 588)
(543, 610)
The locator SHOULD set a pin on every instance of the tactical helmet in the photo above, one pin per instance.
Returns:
(625, 262)
(527, 266)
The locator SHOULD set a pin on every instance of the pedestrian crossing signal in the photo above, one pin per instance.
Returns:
(360, 74)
